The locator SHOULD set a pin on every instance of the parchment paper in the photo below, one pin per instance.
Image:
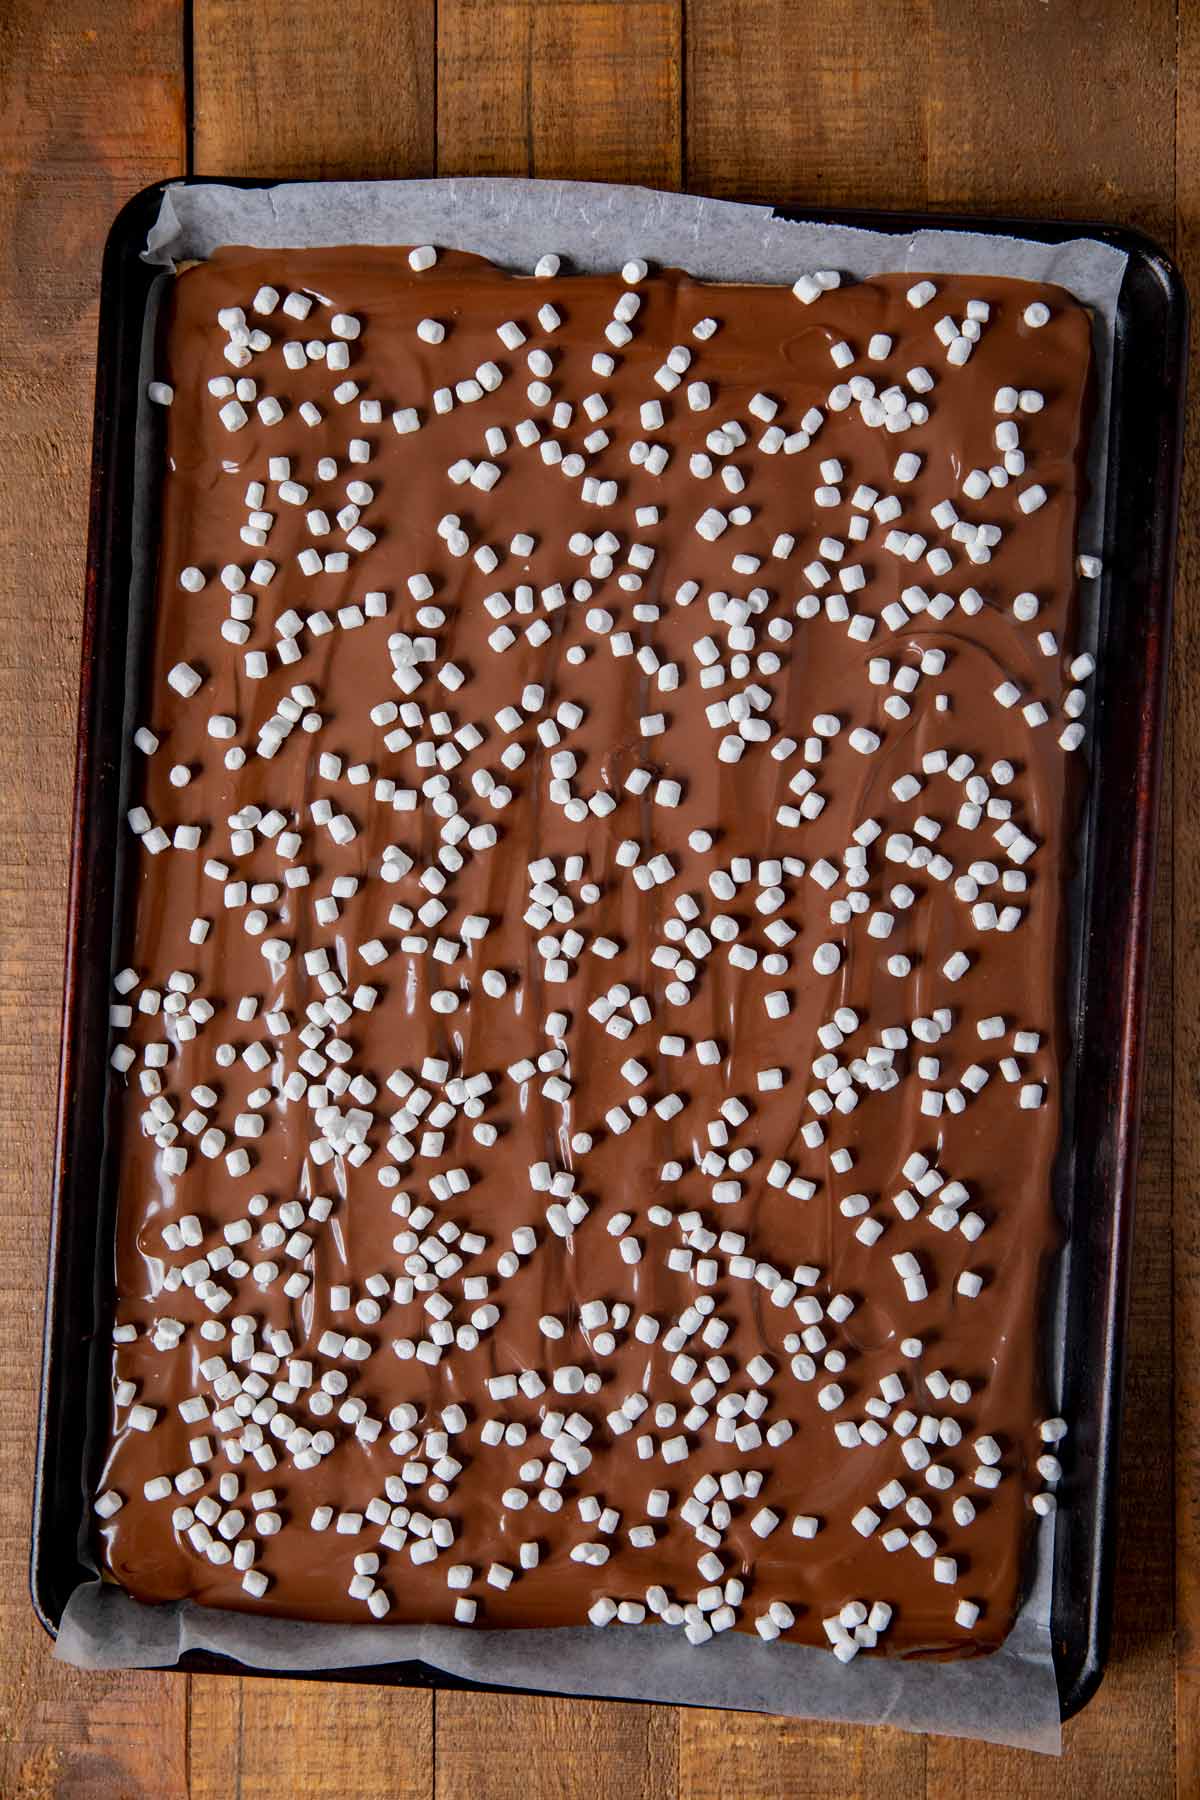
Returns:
(1010, 1697)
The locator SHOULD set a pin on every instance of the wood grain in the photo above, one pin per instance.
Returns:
(1185, 1052)
(266, 1740)
(742, 1753)
(590, 92)
(510, 1746)
(90, 111)
(820, 102)
(1033, 111)
(326, 88)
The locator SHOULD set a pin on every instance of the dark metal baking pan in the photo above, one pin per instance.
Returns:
(1097, 1162)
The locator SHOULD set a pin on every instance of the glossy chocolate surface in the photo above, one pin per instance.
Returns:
(768, 343)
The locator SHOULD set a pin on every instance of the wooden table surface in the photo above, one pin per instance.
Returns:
(1088, 110)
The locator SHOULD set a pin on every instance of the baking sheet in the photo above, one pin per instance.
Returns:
(1010, 1697)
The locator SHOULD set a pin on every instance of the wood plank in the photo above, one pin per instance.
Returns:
(329, 88)
(1033, 112)
(1186, 1049)
(214, 1736)
(744, 1753)
(820, 102)
(527, 87)
(505, 1747)
(88, 115)
(325, 1740)
(87, 1737)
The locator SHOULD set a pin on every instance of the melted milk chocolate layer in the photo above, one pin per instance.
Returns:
(739, 1323)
